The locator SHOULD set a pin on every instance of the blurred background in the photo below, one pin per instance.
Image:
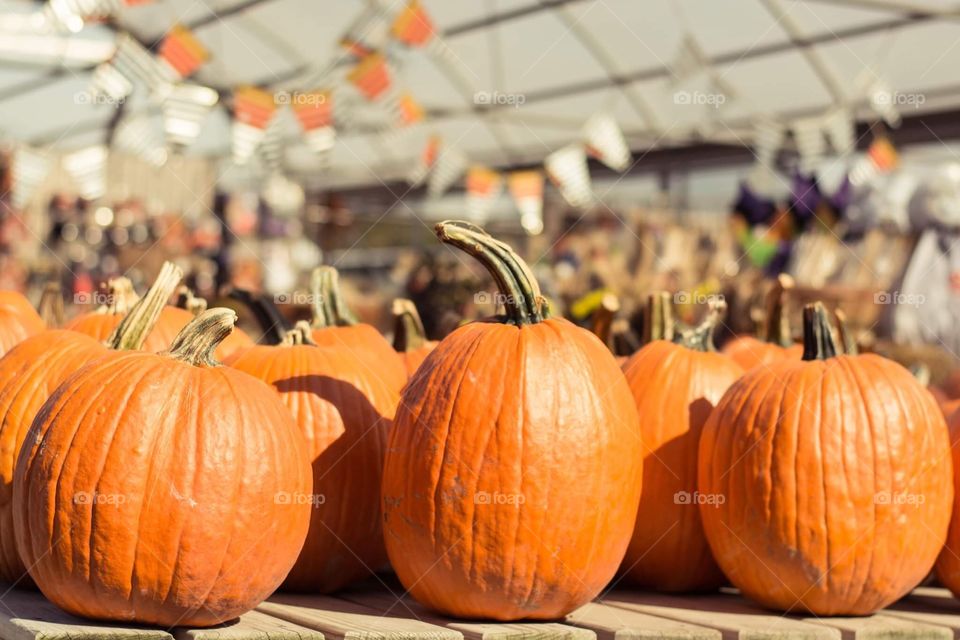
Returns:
(691, 145)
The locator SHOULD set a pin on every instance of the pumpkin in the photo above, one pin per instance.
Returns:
(948, 563)
(409, 336)
(120, 298)
(777, 343)
(334, 325)
(236, 341)
(30, 373)
(675, 386)
(513, 470)
(18, 320)
(162, 489)
(345, 412)
(830, 480)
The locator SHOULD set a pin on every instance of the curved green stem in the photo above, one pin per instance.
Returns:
(329, 307)
(187, 300)
(272, 323)
(658, 321)
(408, 331)
(818, 337)
(844, 335)
(133, 330)
(776, 327)
(625, 341)
(197, 341)
(519, 290)
(50, 307)
(700, 338)
(121, 297)
(301, 334)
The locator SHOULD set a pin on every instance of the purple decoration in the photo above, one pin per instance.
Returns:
(805, 197)
(755, 209)
(842, 196)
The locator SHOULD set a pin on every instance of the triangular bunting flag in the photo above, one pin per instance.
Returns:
(314, 111)
(413, 26)
(605, 142)
(483, 187)
(371, 76)
(426, 161)
(568, 171)
(526, 188)
(143, 138)
(185, 109)
(182, 51)
(449, 166)
(253, 108)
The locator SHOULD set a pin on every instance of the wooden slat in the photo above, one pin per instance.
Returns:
(27, 615)
(253, 625)
(733, 616)
(615, 623)
(386, 603)
(885, 627)
(931, 606)
(347, 620)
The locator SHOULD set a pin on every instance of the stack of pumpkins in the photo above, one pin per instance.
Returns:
(499, 471)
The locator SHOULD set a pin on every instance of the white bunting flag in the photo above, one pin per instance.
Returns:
(605, 142)
(568, 171)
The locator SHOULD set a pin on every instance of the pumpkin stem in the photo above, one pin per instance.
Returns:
(818, 337)
(921, 372)
(50, 307)
(272, 323)
(299, 335)
(776, 326)
(408, 331)
(133, 330)
(700, 338)
(625, 341)
(844, 335)
(186, 299)
(603, 317)
(519, 290)
(658, 321)
(197, 341)
(329, 307)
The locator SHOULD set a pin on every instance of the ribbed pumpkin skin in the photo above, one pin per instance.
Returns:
(749, 352)
(18, 320)
(345, 413)
(808, 456)
(101, 325)
(200, 456)
(29, 374)
(948, 565)
(674, 388)
(366, 342)
(493, 413)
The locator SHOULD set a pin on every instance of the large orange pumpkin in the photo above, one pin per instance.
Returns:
(409, 336)
(162, 488)
(675, 386)
(101, 322)
(830, 480)
(18, 320)
(777, 342)
(345, 412)
(236, 341)
(334, 325)
(31, 372)
(513, 470)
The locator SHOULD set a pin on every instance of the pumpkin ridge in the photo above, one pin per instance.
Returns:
(855, 579)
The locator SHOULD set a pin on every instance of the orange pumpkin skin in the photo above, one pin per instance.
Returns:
(492, 419)
(749, 352)
(161, 501)
(100, 325)
(948, 565)
(675, 388)
(413, 359)
(370, 346)
(29, 374)
(18, 320)
(819, 465)
(345, 413)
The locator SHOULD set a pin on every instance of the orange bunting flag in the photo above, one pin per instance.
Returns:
(314, 110)
(370, 76)
(253, 108)
(483, 187)
(182, 51)
(410, 110)
(413, 26)
(526, 187)
(428, 157)
(355, 47)
(883, 154)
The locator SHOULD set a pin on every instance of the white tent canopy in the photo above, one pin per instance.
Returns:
(509, 81)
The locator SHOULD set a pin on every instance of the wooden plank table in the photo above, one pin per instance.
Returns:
(382, 611)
